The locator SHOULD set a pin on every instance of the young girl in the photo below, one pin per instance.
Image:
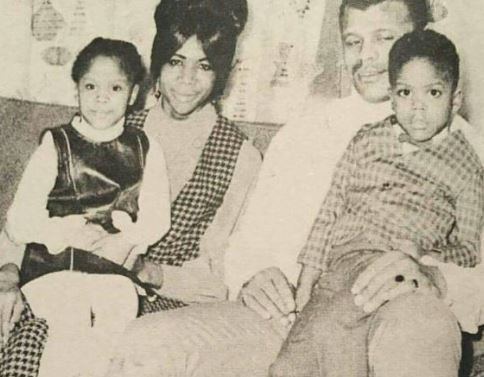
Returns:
(93, 185)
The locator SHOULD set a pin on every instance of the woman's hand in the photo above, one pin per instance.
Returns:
(390, 276)
(148, 272)
(191, 283)
(11, 301)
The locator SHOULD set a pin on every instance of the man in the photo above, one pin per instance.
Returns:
(302, 156)
(243, 338)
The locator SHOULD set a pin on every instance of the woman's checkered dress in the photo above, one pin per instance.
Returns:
(192, 212)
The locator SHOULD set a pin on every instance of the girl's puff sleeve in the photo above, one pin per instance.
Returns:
(28, 219)
(154, 202)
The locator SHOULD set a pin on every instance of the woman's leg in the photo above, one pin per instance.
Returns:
(223, 339)
(20, 357)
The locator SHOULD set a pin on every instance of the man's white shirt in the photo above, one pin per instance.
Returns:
(292, 184)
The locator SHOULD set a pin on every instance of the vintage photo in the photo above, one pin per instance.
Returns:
(239, 188)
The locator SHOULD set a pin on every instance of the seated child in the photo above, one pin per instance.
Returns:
(94, 185)
(408, 183)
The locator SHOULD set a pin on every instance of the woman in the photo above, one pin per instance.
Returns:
(210, 165)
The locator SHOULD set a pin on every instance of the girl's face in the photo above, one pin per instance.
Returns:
(186, 81)
(104, 93)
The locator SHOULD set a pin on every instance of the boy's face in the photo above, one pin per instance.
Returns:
(104, 93)
(423, 99)
(368, 36)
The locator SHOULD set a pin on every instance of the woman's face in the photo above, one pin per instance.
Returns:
(186, 81)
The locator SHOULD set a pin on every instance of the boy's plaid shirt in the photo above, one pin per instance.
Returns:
(432, 195)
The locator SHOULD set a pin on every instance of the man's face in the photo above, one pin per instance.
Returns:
(368, 36)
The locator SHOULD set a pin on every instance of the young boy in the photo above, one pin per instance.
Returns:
(408, 183)
(94, 185)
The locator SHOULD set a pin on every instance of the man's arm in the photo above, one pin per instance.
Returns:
(314, 254)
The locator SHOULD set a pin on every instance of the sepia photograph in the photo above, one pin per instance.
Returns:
(241, 188)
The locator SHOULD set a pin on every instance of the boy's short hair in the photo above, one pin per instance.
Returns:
(417, 9)
(425, 44)
(125, 54)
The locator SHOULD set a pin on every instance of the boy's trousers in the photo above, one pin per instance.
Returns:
(413, 335)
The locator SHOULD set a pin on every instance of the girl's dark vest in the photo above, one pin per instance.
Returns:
(93, 179)
(96, 178)
(197, 203)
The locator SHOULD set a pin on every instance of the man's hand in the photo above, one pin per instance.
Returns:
(390, 276)
(11, 302)
(269, 294)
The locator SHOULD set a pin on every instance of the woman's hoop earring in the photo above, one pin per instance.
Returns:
(157, 94)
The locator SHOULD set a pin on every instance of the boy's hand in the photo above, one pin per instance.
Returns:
(11, 301)
(393, 274)
(269, 294)
(308, 277)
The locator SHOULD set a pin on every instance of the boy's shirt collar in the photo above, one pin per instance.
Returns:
(97, 135)
(408, 146)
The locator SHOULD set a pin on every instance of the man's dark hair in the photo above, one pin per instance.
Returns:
(425, 44)
(124, 53)
(417, 9)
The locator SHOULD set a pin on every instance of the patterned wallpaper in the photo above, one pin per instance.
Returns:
(289, 48)
(276, 60)
(46, 35)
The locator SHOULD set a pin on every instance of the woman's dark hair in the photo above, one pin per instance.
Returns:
(418, 10)
(425, 44)
(125, 54)
(217, 25)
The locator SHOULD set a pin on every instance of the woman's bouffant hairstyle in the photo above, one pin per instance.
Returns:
(124, 53)
(216, 23)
